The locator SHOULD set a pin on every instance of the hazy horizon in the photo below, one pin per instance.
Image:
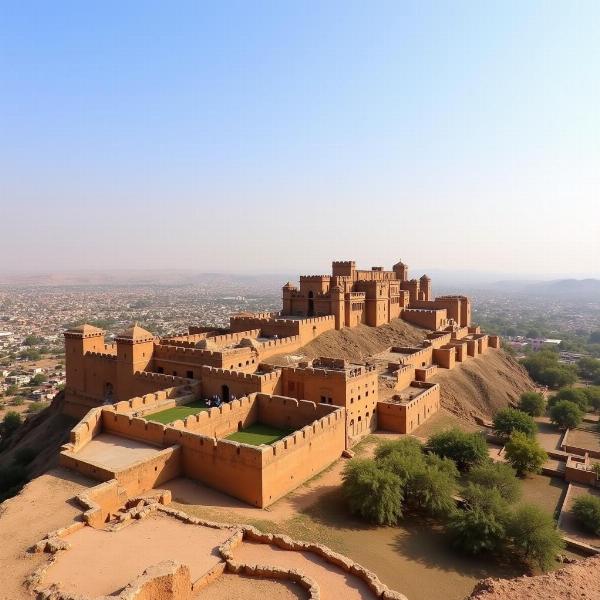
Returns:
(273, 138)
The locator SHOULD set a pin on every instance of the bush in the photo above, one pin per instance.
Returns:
(589, 368)
(587, 511)
(532, 403)
(508, 420)
(36, 407)
(524, 454)
(10, 423)
(498, 476)
(372, 493)
(566, 414)
(38, 379)
(533, 534)
(465, 449)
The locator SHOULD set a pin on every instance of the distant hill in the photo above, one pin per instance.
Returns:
(558, 288)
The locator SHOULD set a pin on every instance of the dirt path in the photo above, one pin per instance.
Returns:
(43, 505)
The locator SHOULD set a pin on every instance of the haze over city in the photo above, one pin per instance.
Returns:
(248, 137)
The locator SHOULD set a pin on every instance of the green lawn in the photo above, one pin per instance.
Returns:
(177, 412)
(258, 434)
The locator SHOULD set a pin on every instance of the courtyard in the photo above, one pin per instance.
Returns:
(177, 412)
(259, 433)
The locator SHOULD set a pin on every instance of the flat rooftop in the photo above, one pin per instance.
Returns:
(115, 453)
(405, 396)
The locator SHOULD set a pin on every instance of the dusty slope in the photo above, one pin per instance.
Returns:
(579, 581)
(45, 433)
(42, 506)
(472, 390)
(481, 386)
(359, 342)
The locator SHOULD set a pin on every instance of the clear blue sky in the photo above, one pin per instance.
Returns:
(275, 136)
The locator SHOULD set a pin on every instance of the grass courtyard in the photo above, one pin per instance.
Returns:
(177, 412)
(258, 434)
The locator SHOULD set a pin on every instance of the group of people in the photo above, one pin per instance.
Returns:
(216, 400)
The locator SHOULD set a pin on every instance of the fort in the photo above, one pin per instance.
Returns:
(207, 405)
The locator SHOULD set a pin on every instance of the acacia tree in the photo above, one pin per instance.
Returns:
(566, 414)
(524, 454)
(372, 493)
(509, 420)
(497, 476)
(532, 403)
(532, 533)
(465, 449)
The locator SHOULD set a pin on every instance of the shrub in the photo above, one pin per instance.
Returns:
(404, 446)
(508, 420)
(566, 414)
(497, 476)
(544, 368)
(11, 422)
(36, 407)
(465, 449)
(532, 403)
(524, 454)
(373, 493)
(533, 535)
(587, 511)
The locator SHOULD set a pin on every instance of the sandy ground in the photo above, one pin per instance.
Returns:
(579, 581)
(548, 435)
(240, 587)
(118, 557)
(114, 453)
(568, 522)
(584, 438)
(43, 505)
(333, 581)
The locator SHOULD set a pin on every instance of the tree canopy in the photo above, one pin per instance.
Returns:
(465, 449)
(566, 414)
(587, 511)
(532, 403)
(509, 420)
(524, 453)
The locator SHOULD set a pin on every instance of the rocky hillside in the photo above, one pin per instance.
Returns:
(578, 581)
(472, 391)
(479, 387)
(34, 447)
(359, 342)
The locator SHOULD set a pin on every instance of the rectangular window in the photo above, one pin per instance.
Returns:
(190, 374)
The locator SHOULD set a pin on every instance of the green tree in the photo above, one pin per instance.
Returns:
(481, 526)
(575, 395)
(12, 390)
(587, 511)
(532, 403)
(497, 476)
(589, 368)
(372, 493)
(509, 420)
(532, 533)
(38, 379)
(431, 491)
(566, 414)
(592, 393)
(465, 449)
(11, 422)
(524, 453)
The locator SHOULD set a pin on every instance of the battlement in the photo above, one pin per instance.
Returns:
(240, 376)
(101, 355)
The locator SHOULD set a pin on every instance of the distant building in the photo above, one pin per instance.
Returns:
(541, 343)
